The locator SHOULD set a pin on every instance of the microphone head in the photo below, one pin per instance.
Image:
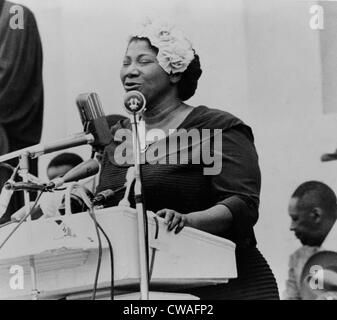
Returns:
(134, 102)
(329, 157)
(83, 170)
(89, 106)
(94, 119)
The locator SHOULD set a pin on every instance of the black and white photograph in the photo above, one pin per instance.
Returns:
(182, 151)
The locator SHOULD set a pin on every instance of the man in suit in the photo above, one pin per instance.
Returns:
(313, 212)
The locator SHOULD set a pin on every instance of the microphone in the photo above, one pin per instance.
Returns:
(93, 119)
(329, 156)
(103, 196)
(134, 102)
(83, 170)
(18, 186)
(96, 129)
(40, 149)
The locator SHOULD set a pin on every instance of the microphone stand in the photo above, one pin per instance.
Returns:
(143, 261)
(24, 171)
(24, 168)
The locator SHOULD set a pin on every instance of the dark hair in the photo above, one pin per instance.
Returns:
(65, 159)
(315, 193)
(189, 78)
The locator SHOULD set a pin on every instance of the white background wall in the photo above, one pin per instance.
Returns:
(261, 61)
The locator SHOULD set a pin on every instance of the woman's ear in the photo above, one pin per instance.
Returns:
(175, 78)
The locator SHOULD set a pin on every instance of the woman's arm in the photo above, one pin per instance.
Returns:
(215, 220)
(235, 189)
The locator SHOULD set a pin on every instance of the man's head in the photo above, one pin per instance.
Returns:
(61, 164)
(313, 211)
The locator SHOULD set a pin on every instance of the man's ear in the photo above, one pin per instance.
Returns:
(175, 78)
(317, 214)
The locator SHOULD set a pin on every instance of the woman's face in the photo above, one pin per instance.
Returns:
(141, 71)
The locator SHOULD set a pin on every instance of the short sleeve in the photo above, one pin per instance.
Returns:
(237, 186)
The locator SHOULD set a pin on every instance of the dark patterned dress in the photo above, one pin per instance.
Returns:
(233, 180)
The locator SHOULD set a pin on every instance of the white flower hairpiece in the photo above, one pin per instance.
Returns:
(175, 51)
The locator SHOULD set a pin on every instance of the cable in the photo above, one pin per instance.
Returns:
(98, 226)
(92, 215)
(146, 227)
(154, 249)
(22, 220)
(7, 224)
(7, 166)
(110, 252)
(111, 261)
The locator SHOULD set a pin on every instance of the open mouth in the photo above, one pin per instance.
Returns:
(131, 86)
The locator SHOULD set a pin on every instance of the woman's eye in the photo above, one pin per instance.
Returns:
(145, 61)
(126, 63)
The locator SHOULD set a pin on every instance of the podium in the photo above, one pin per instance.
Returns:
(64, 251)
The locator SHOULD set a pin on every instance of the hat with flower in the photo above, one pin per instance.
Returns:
(175, 51)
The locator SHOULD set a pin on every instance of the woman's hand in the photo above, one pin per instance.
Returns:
(173, 219)
(215, 220)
